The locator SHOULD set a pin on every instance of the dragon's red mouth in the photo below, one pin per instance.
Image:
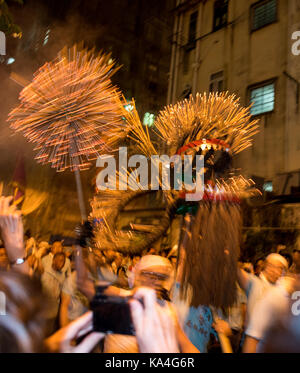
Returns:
(216, 143)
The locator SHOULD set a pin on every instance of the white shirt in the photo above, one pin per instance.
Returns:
(235, 315)
(47, 264)
(78, 302)
(272, 306)
(255, 292)
(52, 283)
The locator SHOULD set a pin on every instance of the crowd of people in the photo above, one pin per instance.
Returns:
(48, 288)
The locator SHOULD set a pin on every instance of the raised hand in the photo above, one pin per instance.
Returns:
(12, 230)
(63, 340)
(154, 325)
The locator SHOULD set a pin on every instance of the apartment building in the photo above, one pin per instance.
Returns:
(249, 48)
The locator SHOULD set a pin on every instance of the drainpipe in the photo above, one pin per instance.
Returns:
(289, 8)
(297, 89)
(177, 61)
(174, 51)
(197, 51)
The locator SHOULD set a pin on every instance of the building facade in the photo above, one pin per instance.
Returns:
(249, 48)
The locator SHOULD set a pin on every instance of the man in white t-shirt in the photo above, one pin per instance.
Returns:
(57, 247)
(273, 306)
(275, 266)
(52, 281)
(73, 303)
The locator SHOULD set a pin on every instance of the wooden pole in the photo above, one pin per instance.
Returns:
(80, 195)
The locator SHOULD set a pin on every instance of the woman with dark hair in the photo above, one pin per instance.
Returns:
(22, 326)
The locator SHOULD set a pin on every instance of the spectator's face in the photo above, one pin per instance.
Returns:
(110, 256)
(273, 270)
(56, 247)
(296, 258)
(3, 258)
(259, 266)
(135, 260)
(68, 253)
(58, 263)
(153, 277)
(99, 258)
(248, 267)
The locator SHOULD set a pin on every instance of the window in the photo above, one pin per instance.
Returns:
(216, 82)
(220, 14)
(263, 13)
(129, 107)
(148, 119)
(263, 99)
(193, 27)
(268, 186)
(46, 37)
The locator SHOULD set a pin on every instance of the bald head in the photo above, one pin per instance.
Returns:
(275, 266)
(277, 258)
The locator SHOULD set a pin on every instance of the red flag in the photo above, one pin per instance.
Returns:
(19, 181)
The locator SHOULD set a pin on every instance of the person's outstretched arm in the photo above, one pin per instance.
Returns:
(243, 279)
(63, 310)
(250, 345)
(84, 284)
(12, 233)
(63, 340)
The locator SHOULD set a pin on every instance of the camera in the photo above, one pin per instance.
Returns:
(112, 314)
